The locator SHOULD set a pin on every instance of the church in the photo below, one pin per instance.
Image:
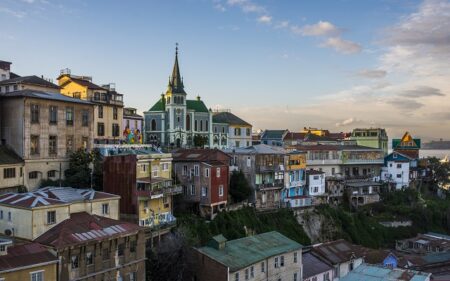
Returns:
(174, 120)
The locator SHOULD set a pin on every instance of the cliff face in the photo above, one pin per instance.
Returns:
(318, 227)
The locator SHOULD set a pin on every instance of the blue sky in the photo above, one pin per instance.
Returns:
(334, 64)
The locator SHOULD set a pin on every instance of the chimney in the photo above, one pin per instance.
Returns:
(218, 242)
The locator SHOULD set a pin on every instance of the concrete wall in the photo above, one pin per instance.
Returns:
(49, 272)
(11, 182)
(12, 126)
(39, 219)
(21, 222)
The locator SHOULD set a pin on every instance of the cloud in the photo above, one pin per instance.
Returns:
(29, 1)
(372, 73)
(265, 19)
(247, 6)
(422, 91)
(282, 24)
(347, 122)
(342, 46)
(322, 28)
(17, 14)
(405, 104)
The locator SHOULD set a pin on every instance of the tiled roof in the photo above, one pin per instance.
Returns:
(228, 118)
(338, 251)
(8, 156)
(198, 155)
(243, 252)
(377, 273)
(43, 95)
(28, 254)
(87, 84)
(291, 136)
(196, 105)
(312, 265)
(82, 227)
(32, 80)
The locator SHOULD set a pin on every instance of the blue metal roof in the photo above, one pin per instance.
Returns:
(367, 272)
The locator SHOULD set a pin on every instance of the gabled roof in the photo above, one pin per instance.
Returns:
(397, 157)
(246, 251)
(158, 106)
(28, 200)
(8, 156)
(82, 227)
(338, 251)
(291, 136)
(85, 83)
(199, 155)
(406, 142)
(196, 105)
(31, 80)
(273, 134)
(313, 265)
(27, 93)
(28, 254)
(228, 118)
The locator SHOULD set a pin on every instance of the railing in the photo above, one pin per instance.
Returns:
(278, 185)
(363, 161)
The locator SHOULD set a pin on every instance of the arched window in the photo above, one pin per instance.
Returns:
(181, 100)
(201, 125)
(153, 125)
(206, 126)
(195, 125)
(188, 122)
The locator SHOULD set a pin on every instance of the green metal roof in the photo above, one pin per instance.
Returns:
(396, 143)
(196, 105)
(240, 253)
(158, 106)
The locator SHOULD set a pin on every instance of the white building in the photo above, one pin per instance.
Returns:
(397, 170)
(315, 180)
(239, 131)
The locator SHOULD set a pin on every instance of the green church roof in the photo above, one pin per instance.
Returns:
(158, 106)
(240, 253)
(195, 105)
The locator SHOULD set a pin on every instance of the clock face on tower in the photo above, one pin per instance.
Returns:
(178, 111)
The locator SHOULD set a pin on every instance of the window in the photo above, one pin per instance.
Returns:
(77, 95)
(282, 261)
(276, 262)
(69, 116)
(399, 166)
(115, 130)
(238, 143)
(326, 276)
(1, 214)
(246, 274)
(84, 142)
(220, 190)
(188, 122)
(85, 118)
(52, 146)
(184, 172)
(105, 209)
(69, 144)
(51, 174)
(236, 276)
(248, 132)
(295, 276)
(204, 191)
(263, 267)
(249, 161)
(9, 216)
(196, 171)
(121, 249)
(252, 272)
(195, 125)
(37, 276)
(100, 129)
(74, 262)
(9, 173)
(295, 257)
(89, 258)
(218, 172)
(133, 276)
(53, 114)
(155, 171)
(207, 172)
(100, 111)
(115, 113)
(133, 245)
(399, 176)
(201, 125)
(165, 166)
(33, 175)
(34, 113)
(51, 217)
(192, 189)
(237, 131)
(105, 254)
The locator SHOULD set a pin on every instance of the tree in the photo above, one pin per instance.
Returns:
(239, 187)
(79, 173)
(200, 141)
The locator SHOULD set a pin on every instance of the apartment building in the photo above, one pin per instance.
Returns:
(239, 132)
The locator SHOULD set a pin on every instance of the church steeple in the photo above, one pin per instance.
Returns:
(175, 81)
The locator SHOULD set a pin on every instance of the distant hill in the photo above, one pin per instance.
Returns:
(437, 145)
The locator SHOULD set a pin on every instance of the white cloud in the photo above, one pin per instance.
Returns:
(372, 73)
(17, 14)
(247, 6)
(265, 19)
(282, 24)
(29, 1)
(348, 122)
(342, 46)
(322, 28)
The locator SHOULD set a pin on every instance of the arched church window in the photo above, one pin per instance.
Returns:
(206, 126)
(201, 125)
(188, 122)
(195, 125)
(153, 125)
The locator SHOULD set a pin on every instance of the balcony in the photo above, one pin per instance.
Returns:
(159, 221)
(310, 162)
(156, 187)
(269, 186)
(363, 161)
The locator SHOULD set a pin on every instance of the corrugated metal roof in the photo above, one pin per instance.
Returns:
(43, 95)
(243, 252)
(367, 272)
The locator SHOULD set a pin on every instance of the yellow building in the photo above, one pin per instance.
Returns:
(315, 131)
(28, 215)
(29, 261)
(108, 105)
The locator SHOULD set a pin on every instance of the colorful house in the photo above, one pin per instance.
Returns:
(399, 169)
(239, 131)
(371, 137)
(407, 145)
(295, 193)
(133, 124)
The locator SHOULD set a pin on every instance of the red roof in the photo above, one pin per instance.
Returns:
(28, 200)
(28, 254)
(82, 228)
(200, 155)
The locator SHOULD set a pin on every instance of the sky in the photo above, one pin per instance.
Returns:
(337, 64)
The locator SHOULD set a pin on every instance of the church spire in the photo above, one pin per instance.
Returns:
(176, 82)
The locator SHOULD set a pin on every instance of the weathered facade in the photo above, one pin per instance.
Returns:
(91, 247)
(371, 137)
(11, 170)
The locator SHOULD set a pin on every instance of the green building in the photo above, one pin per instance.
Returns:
(371, 137)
